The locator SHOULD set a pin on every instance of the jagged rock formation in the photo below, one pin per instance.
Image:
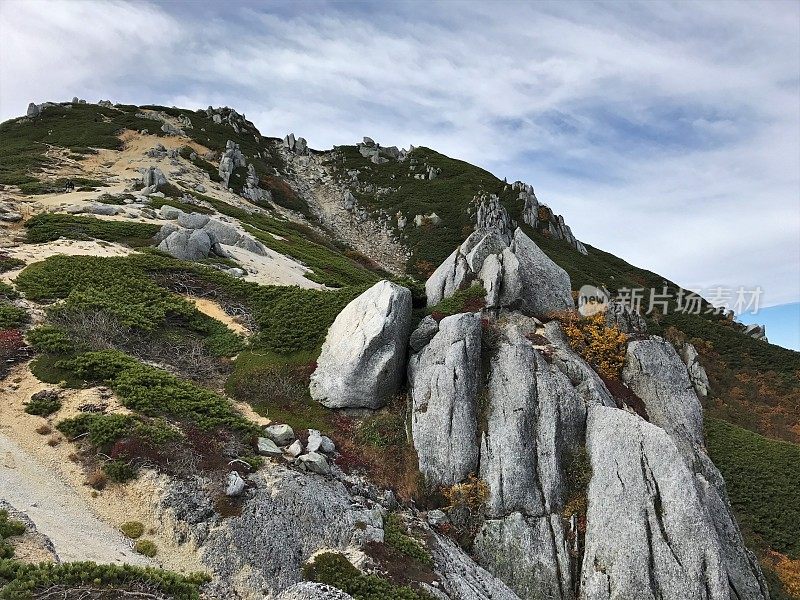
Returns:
(625, 319)
(261, 551)
(518, 275)
(252, 190)
(492, 215)
(362, 359)
(443, 378)
(648, 533)
(654, 371)
(697, 374)
(462, 578)
(541, 217)
(231, 159)
(152, 179)
(298, 146)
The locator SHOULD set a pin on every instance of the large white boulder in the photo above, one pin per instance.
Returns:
(362, 359)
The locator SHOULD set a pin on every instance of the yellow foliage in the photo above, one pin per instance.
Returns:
(788, 571)
(601, 346)
(471, 494)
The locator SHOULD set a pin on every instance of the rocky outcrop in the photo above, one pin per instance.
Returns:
(517, 276)
(152, 179)
(654, 371)
(529, 554)
(584, 379)
(296, 145)
(362, 360)
(196, 236)
(491, 215)
(252, 190)
(697, 374)
(758, 332)
(286, 517)
(461, 577)
(650, 533)
(534, 422)
(231, 159)
(534, 418)
(443, 379)
(542, 218)
(187, 244)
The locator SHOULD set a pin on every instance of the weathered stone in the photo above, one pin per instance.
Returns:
(462, 578)
(33, 110)
(423, 334)
(316, 463)
(234, 485)
(546, 287)
(231, 159)
(437, 517)
(187, 244)
(266, 447)
(625, 319)
(152, 177)
(654, 372)
(697, 374)
(221, 233)
(361, 362)
(535, 420)
(444, 382)
(192, 220)
(280, 434)
(169, 213)
(295, 449)
(529, 554)
(648, 532)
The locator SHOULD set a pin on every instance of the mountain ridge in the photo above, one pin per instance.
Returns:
(276, 211)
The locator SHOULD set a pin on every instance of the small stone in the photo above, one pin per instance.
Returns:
(235, 484)
(266, 447)
(280, 434)
(316, 463)
(437, 517)
(295, 449)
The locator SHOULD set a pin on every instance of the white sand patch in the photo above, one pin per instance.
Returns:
(272, 269)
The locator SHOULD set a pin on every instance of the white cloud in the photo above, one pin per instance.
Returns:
(668, 133)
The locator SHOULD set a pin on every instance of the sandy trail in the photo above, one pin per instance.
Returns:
(59, 512)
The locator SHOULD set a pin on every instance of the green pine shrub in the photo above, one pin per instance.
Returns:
(334, 569)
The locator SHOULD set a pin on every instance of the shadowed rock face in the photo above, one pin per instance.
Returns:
(362, 360)
(443, 378)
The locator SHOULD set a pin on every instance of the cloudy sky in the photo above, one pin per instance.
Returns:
(667, 133)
